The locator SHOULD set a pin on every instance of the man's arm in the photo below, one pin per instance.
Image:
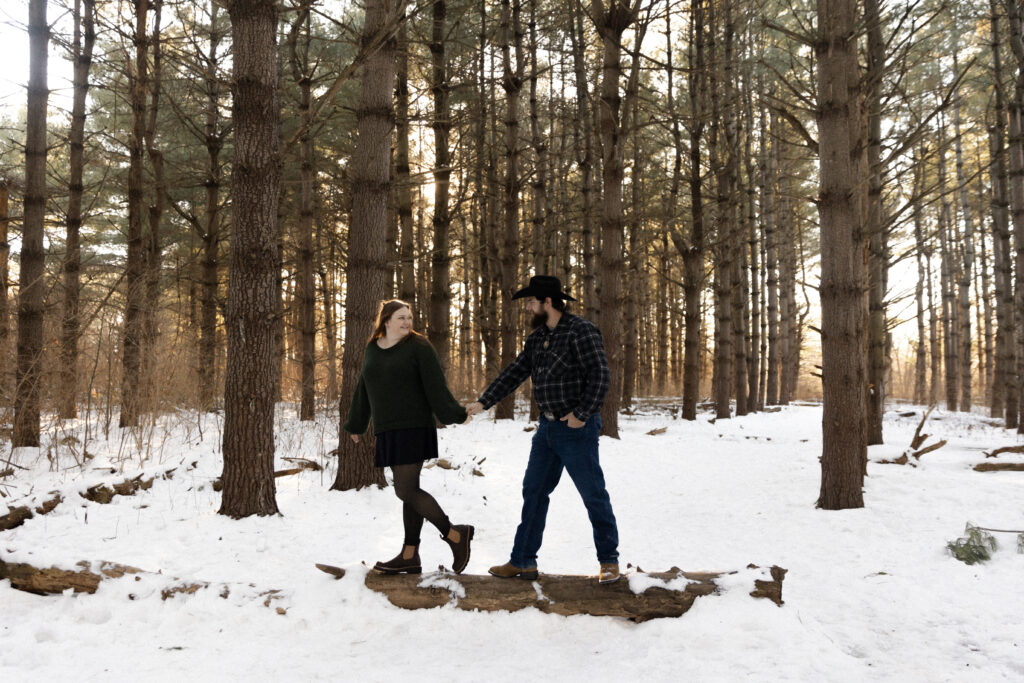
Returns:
(596, 376)
(508, 381)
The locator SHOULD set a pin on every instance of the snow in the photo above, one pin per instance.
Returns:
(871, 594)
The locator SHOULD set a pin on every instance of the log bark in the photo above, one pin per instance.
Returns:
(999, 467)
(559, 594)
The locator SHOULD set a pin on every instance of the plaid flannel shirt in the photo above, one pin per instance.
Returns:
(568, 367)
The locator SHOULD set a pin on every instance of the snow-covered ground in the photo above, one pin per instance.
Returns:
(871, 594)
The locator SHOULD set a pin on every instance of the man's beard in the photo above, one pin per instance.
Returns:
(539, 319)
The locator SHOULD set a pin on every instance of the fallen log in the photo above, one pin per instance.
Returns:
(999, 467)
(1005, 449)
(662, 594)
(16, 516)
(53, 581)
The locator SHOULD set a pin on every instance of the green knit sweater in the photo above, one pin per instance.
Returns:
(401, 387)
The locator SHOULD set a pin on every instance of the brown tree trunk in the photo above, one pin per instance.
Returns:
(5, 315)
(367, 265)
(772, 265)
(875, 225)
(440, 294)
(1006, 375)
(211, 222)
(1015, 114)
(84, 38)
(512, 83)
(248, 474)
(303, 76)
(950, 313)
(152, 247)
(692, 250)
(843, 339)
(131, 344)
(30, 280)
(585, 161)
(921, 362)
(611, 22)
(403, 183)
(966, 273)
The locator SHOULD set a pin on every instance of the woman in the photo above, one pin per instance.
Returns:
(402, 387)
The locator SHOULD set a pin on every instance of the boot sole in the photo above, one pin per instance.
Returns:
(525, 576)
(605, 582)
(393, 572)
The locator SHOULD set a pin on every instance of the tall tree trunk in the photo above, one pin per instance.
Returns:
(1006, 374)
(585, 161)
(367, 265)
(540, 233)
(211, 220)
(153, 253)
(131, 345)
(403, 183)
(843, 339)
(248, 475)
(5, 255)
(440, 294)
(987, 349)
(950, 316)
(303, 76)
(752, 281)
(635, 248)
(772, 265)
(611, 22)
(84, 39)
(966, 273)
(512, 83)
(30, 279)
(875, 225)
(1015, 114)
(921, 359)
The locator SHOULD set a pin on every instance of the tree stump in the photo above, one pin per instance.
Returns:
(561, 594)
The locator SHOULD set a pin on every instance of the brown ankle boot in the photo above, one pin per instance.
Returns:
(400, 564)
(460, 550)
(510, 571)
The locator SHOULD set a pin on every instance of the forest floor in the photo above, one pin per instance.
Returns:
(871, 594)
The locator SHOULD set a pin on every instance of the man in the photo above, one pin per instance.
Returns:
(564, 356)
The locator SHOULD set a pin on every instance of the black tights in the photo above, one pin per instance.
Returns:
(417, 504)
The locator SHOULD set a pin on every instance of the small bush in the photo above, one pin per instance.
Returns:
(975, 545)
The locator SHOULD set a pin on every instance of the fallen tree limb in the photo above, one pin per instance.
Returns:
(559, 594)
(304, 465)
(999, 467)
(53, 581)
(16, 516)
(1005, 449)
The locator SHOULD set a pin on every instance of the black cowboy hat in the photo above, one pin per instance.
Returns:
(542, 286)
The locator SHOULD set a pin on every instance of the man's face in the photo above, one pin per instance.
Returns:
(538, 311)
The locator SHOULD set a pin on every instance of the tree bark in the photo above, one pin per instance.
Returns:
(303, 77)
(440, 261)
(152, 247)
(921, 358)
(611, 22)
(84, 39)
(5, 255)
(843, 339)
(30, 280)
(875, 224)
(403, 183)
(585, 161)
(131, 344)
(214, 138)
(512, 83)
(248, 474)
(367, 265)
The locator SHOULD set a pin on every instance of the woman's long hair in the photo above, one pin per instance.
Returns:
(384, 313)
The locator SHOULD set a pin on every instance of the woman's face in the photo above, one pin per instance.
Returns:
(400, 323)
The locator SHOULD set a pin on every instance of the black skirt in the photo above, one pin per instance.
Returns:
(405, 446)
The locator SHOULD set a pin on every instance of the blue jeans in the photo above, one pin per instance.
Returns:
(556, 445)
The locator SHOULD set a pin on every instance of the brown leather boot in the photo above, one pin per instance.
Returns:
(460, 549)
(510, 571)
(405, 562)
(609, 573)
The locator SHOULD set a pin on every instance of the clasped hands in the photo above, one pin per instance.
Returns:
(475, 408)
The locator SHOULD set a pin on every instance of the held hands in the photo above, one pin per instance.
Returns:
(474, 408)
(573, 422)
